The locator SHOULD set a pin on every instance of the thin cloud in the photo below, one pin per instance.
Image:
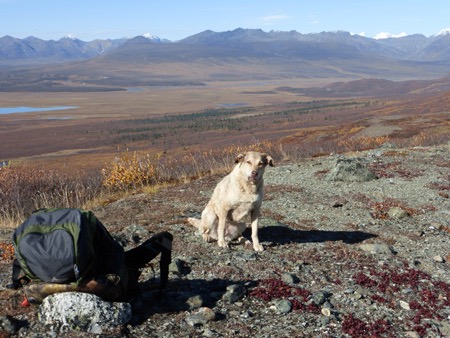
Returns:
(268, 19)
(312, 19)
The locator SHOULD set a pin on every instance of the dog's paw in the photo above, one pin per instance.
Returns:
(207, 238)
(244, 241)
(258, 247)
(223, 244)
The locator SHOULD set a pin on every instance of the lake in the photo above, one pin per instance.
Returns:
(15, 110)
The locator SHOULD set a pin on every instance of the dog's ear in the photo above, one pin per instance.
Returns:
(269, 160)
(239, 158)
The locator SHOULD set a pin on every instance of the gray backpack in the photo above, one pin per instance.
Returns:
(55, 245)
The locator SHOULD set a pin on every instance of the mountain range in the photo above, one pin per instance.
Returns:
(70, 64)
(239, 42)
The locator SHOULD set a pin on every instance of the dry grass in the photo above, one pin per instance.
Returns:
(24, 189)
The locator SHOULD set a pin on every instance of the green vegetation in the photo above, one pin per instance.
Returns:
(227, 119)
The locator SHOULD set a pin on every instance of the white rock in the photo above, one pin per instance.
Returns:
(404, 305)
(83, 311)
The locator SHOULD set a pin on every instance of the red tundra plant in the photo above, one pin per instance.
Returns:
(355, 327)
(270, 289)
(428, 298)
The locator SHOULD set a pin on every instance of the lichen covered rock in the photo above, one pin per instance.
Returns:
(82, 311)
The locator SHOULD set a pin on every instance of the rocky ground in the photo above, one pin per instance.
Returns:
(346, 255)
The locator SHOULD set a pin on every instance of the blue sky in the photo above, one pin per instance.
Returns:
(91, 19)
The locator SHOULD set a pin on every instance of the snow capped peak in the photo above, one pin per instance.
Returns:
(386, 35)
(70, 36)
(151, 37)
(445, 31)
(360, 34)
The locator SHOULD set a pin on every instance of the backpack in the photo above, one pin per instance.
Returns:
(55, 246)
(71, 250)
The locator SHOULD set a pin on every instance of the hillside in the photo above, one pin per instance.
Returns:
(70, 65)
(342, 258)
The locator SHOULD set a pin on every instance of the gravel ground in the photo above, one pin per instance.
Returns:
(342, 258)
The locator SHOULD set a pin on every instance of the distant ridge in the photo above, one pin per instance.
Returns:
(417, 47)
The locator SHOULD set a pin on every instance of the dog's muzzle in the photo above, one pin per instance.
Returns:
(254, 177)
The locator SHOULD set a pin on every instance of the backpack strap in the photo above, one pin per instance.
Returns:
(18, 279)
(138, 257)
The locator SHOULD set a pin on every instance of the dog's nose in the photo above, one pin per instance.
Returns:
(254, 173)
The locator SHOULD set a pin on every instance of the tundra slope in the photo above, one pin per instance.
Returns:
(341, 258)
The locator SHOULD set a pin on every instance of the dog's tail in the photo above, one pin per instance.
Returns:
(195, 222)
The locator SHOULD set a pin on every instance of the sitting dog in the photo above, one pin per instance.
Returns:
(238, 194)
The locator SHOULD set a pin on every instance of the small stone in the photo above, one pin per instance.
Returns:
(282, 306)
(436, 225)
(234, 293)
(357, 296)
(203, 316)
(376, 248)
(326, 312)
(438, 259)
(319, 298)
(247, 314)
(404, 305)
(397, 213)
(289, 278)
(194, 302)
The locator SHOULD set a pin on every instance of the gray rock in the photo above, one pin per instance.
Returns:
(82, 311)
(350, 170)
(397, 213)
(282, 306)
(194, 302)
(376, 248)
(234, 293)
(319, 298)
(203, 316)
(289, 278)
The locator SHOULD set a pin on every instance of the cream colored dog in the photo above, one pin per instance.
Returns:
(238, 194)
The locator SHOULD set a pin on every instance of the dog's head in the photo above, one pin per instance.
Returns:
(253, 165)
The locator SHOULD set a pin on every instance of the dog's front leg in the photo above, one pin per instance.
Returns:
(255, 239)
(221, 232)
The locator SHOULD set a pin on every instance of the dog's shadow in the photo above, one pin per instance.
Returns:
(283, 234)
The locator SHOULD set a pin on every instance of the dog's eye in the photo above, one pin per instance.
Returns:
(260, 164)
(249, 162)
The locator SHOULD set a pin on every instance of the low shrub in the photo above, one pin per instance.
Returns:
(24, 189)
